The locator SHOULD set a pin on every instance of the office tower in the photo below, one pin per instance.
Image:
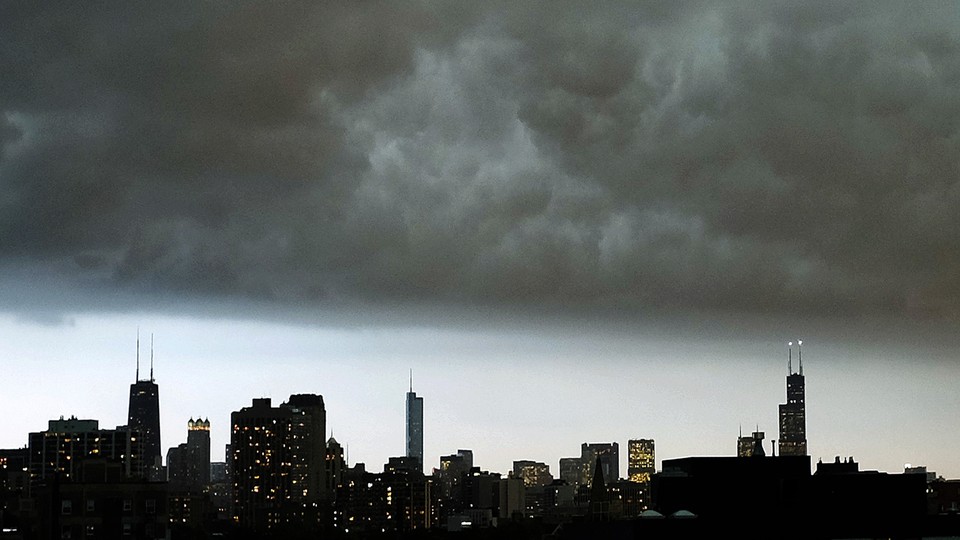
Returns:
(533, 473)
(609, 454)
(277, 463)
(571, 470)
(144, 414)
(61, 449)
(641, 460)
(414, 424)
(751, 445)
(188, 465)
(452, 470)
(198, 451)
(793, 415)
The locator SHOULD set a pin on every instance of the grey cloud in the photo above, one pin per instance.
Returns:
(699, 156)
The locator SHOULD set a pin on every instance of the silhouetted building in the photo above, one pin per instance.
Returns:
(793, 415)
(641, 460)
(335, 465)
(144, 416)
(532, 473)
(599, 498)
(609, 455)
(414, 425)
(868, 504)
(733, 488)
(752, 445)
(571, 470)
(14, 486)
(99, 501)
(451, 472)
(66, 444)
(188, 465)
(308, 447)
(278, 464)
(396, 501)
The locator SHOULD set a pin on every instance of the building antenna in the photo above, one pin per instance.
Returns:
(790, 358)
(800, 355)
(151, 356)
(411, 379)
(138, 355)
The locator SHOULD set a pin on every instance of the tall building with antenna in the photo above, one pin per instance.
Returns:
(414, 424)
(144, 414)
(793, 413)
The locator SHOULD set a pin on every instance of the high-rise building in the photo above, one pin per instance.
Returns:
(571, 470)
(451, 472)
(609, 454)
(277, 463)
(793, 415)
(66, 444)
(533, 473)
(641, 460)
(309, 446)
(144, 415)
(414, 425)
(198, 451)
(188, 465)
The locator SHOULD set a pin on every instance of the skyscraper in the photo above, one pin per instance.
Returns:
(144, 415)
(641, 460)
(793, 415)
(414, 425)
(188, 465)
(277, 463)
(609, 455)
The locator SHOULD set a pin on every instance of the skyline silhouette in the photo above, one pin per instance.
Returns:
(576, 223)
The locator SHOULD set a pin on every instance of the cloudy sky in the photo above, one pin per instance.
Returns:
(575, 223)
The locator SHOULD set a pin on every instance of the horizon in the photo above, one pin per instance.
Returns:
(536, 424)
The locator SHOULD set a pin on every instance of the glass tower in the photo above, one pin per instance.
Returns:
(415, 426)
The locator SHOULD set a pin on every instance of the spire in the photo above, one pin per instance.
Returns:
(800, 355)
(137, 379)
(151, 356)
(790, 358)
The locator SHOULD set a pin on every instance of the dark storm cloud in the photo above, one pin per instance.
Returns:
(756, 158)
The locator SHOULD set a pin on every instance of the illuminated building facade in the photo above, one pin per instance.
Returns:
(277, 463)
(66, 444)
(533, 473)
(641, 460)
(609, 455)
(793, 415)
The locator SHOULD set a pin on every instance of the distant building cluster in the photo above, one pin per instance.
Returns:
(284, 477)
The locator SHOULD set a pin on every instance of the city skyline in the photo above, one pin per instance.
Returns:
(587, 224)
(551, 446)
